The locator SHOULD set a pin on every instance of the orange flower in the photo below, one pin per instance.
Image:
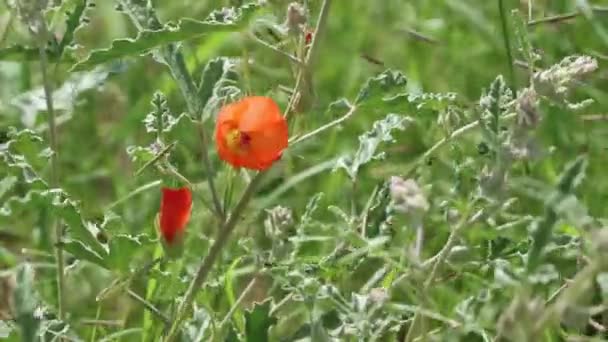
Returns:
(251, 133)
(175, 206)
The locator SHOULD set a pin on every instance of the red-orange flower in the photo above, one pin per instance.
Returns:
(175, 206)
(251, 133)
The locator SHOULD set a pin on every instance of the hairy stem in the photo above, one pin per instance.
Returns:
(42, 34)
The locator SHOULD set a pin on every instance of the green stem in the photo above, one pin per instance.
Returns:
(439, 144)
(305, 71)
(507, 42)
(56, 225)
(238, 302)
(149, 306)
(214, 252)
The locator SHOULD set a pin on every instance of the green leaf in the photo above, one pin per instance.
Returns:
(216, 71)
(234, 19)
(141, 155)
(258, 321)
(369, 143)
(62, 206)
(31, 146)
(387, 92)
(74, 21)
(123, 249)
(570, 178)
(83, 252)
(26, 301)
(523, 40)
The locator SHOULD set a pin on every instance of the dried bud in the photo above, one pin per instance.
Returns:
(378, 295)
(407, 196)
(559, 78)
(527, 108)
(296, 18)
(278, 221)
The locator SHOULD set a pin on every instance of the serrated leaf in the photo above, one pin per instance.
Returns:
(258, 321)
(26, 302)
(83, 252)
(185, 29)
(370, 141)
(123, 249)
(31, 146)
(381, 87)
(387, 92)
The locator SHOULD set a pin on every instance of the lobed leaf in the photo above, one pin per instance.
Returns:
(185, 29)
(369, 143)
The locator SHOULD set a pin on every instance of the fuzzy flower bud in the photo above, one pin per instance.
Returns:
(277, 222)
(407, 196)
(527, 108)
(296, 18)
(560, 77)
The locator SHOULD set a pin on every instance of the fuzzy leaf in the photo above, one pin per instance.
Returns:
(369, 142)
(215, 73)
(234, 19)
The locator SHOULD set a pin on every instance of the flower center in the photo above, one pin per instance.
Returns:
(237, 141)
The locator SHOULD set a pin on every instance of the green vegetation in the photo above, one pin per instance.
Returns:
(444, 179)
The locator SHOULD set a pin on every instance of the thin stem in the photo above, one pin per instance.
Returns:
(56, 225)
(305, 70)
(439, 260)
(149, 307)
(439, 144)
(214, 252)
(141, 189)
(280, 304)
(207, 164)
(563, 17)
(238, 302)
(296, 140)
(289, 56)
(419, 239)
(507, 41)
